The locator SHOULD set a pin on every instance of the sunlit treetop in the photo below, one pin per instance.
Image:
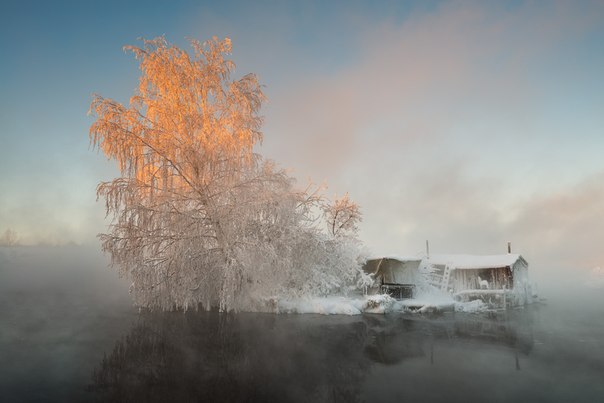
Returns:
(183, 105)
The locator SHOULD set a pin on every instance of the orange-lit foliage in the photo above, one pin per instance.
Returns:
(342, 216)
(184, 106)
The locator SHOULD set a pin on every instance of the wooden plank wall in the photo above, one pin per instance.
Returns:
(466, 279)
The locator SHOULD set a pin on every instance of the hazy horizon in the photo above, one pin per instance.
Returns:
(470, 124)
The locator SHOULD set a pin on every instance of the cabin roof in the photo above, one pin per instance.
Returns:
(397, 257)
(476, 261)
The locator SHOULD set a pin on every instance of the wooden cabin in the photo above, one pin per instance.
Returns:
(491, 277)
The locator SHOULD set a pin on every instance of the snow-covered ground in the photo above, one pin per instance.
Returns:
(337, 305)
(378, 304)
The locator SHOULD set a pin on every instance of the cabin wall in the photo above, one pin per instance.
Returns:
(396, 272)
(470, 279)
(393, 276)
(520, 274)
(522, 288)
(407, 273)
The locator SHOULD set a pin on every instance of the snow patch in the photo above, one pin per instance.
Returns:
(471, 306)
(337, 305)
(323, 306)
(377, 304)
(423, 305)
(380, 303)
(474, 261)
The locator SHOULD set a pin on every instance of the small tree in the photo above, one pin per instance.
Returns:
(342, 216)
(9, 238)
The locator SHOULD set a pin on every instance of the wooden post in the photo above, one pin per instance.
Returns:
(505, 304)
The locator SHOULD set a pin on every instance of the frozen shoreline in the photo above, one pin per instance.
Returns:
(376, 304)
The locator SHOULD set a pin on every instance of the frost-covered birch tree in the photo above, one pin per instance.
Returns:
(198, 218)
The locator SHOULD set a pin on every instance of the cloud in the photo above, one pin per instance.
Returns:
(439, 123)
(444, 127)
(557, 232)
(64, 211)
(436, 202)
(463, 68)
(564, 229)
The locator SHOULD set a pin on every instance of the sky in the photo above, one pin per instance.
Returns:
(465, 123)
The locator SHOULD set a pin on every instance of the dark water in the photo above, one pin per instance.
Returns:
(68, 333)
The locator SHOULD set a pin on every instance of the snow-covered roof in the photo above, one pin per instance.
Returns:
(475, 261)
(397, 257)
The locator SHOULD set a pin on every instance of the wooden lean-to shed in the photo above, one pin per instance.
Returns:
(395, 276)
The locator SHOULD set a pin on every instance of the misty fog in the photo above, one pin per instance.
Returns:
(469, 124)
(68, 331)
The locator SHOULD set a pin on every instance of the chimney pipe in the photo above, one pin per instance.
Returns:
(509, 247)
(427, 249)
